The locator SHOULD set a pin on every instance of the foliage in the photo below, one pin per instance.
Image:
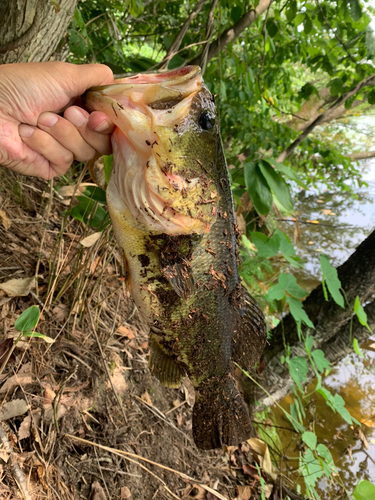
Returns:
(277, 76)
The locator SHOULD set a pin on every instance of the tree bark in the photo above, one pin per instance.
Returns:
(332, 323)
(31, 30)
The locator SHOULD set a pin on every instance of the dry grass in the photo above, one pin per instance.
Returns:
(95, 415)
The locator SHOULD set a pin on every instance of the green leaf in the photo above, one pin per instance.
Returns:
(364, 491)
(310, 439)
(80, 22)
(298, 312)
(332, 280)
(95, 193)
(357, 349)
(287, 171)
(320, 360)
(77, 44)
(298, 369)
(236, 13)
(371, 97)
(90, 212)
(310, 468)
(258, 188)
(267, 247)
(28, 320)
(107, 162)
(277, 184)
(299, 19)
(355, 9)
(336, 86)
(361, 314)
(307, 25)
(309, 341)
(286, 284)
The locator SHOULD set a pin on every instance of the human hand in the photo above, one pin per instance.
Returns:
(34, 139)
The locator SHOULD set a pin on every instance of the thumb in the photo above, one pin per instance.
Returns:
(89, 75)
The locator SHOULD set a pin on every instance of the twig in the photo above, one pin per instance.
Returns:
(321, 118)
(177, 41)
(161, 415)
(101, 473)
(17, 471)
(126, 454)
(335, 33)
(105, 365)
(209, 33)
(57, 398)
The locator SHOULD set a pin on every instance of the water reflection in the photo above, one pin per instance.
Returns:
(343, 222)
(354, 380)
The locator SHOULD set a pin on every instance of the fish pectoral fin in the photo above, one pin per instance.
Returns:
(181, 277)
(220, 415)
(163, 366)
(250, 334)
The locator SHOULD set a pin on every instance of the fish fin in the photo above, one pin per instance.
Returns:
(220, 416)
(163, 366)
(250, 335)
(181, 278)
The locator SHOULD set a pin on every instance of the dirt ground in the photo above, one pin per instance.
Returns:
(81, 416)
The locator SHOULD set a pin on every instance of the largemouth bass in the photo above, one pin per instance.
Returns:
(170, 202)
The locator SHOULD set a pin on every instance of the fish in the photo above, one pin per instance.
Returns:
(170, 202)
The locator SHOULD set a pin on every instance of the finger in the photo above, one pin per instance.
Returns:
(98, 134)
(100, 122)
(85, 76)
(64, 132)
(60, 158)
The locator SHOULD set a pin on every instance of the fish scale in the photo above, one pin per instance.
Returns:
(171, 207)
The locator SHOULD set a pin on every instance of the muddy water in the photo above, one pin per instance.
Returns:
(342, 223)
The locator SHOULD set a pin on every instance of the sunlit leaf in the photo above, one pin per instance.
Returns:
(331, 278)
(361, 313)
(28, 319)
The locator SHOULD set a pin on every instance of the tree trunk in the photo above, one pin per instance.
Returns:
(332, 323)
(31, 30)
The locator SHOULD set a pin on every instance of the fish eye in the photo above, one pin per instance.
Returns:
(206, 120)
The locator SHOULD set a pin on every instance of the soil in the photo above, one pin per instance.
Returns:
(96, 424)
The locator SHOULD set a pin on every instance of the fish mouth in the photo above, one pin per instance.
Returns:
(150, 111)
(159, 90)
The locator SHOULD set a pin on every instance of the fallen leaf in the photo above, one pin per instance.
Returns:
(125, 492)
(17, 380)
(211, 496)
(74, 189)
(41, 471)
(18, 287)
(146, 398)
(243, 492)
(118, 381)
(5, 220)
(91, 239)
(189, 391)
(49, 396)
(24, 430)
(267, 490)
(97, 492)
(261, 448)
(60, 312)
(5, 346)
(126, 332)
(362, 437)
(250, 470)
(13, 409)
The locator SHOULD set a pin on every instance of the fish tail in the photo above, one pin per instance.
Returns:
(220, 416)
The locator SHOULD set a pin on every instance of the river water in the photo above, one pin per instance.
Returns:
(335, 224)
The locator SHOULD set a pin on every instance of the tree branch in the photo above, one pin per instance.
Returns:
(234, 31)
(324, 116)
(177, 41)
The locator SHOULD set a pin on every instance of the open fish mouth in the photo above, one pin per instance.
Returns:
(155, 117)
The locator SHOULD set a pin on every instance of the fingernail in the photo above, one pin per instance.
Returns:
(76, 117)
(104, 125)
(47, 119)
(25, 130)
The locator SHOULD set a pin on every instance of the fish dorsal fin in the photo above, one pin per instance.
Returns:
(163, 366)
(181, 278)
(250, 333)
